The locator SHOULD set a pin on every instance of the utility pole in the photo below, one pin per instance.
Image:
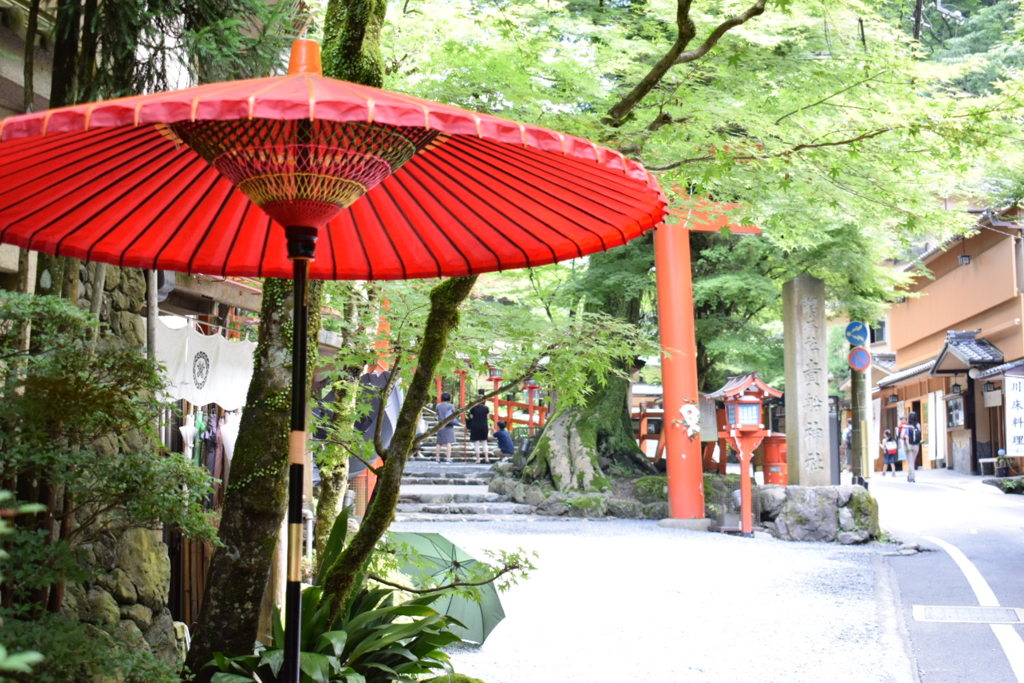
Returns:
(859, 441)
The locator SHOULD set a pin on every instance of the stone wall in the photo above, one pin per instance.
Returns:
(830, 514)
(130, 589)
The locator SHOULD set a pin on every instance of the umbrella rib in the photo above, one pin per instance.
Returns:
(90, 161)
(407, 171)
(387, 235)
(126, 216)
(55, 200)
(189, 188)
(209, 229)
(571, 169)
(34, 148)
(385, 187)
(448, 160)
(584, 176)
(589, 198)
(427, 159)
(237, 233)
(443, 205)
(362, 246)
(329, 236)
(266, 240)
(483, 169)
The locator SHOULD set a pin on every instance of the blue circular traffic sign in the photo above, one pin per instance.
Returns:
(860, 358)
(856, 333)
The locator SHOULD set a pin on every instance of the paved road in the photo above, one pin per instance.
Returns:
(970, 570)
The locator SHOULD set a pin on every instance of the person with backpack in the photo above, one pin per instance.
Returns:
(889, 449)
(910, 440)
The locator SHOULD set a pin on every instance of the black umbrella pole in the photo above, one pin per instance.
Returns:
(301, 242)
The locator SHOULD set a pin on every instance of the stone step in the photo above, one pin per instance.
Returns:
(448, 497)
(442, 480)
(427, 517)
(465, 508)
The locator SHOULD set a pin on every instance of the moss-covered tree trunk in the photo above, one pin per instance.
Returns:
(578, 445)
(254, 503)
(340, 579)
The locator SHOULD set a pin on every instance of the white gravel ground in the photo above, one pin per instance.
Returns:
(629, 601)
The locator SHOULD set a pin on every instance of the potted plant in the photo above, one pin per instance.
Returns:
(1002, 464)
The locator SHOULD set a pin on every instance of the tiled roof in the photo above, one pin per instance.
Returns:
(907, 373)
(885, 361)
(1001, 369)
(968, 349)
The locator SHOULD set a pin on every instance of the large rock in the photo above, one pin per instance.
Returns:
(162, 638)
(809, 514)
(99, 607)
(143, 557)
(139, 613)
(554, 505)
(772, 498)
(594, 505)
(843, 514)
(625, 509)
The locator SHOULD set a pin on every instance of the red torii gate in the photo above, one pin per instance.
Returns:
(679, 348)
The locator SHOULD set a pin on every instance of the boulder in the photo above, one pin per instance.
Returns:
(554, 505)
(809, 514)
(99, 607)
(587, 506)
(162, 638)
(138, 613)
(625, 509)
(143, 557)
(534, 496)
(771, 498)
(656, 511)
(843, 514)
(123, 589)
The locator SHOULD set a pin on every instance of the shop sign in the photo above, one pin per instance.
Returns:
(1014, 412)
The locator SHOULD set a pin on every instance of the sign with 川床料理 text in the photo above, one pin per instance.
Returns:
(1014, 411)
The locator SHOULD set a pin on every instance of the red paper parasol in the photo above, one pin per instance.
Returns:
(176, 181)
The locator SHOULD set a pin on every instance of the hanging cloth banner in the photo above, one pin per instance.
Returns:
(202, 368)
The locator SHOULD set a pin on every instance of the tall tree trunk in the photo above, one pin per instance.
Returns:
(579, 443)
(254, 503)
(443, 319)
(28, 68)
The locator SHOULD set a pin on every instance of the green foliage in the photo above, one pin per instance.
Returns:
(375, 638)
(653, 489)
(453, 678)
(15, 662)
(74, 651)
(820, 119)
(81, 415)
(1015, 485)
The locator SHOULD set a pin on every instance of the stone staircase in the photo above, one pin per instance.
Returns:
(452, 491)
(462, 449)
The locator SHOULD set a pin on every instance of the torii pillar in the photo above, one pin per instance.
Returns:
(679, 355)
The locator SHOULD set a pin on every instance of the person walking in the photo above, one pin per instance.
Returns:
(478, 428)
(446, 435)
(910, 442)
(889, 450)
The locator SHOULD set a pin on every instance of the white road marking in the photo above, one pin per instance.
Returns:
(1009, 639)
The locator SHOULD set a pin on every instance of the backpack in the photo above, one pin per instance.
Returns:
(914, 434)
(890, 447)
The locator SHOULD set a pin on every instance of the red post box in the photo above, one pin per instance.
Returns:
(776, 471)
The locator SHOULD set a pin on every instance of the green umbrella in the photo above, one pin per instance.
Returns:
(444, 562)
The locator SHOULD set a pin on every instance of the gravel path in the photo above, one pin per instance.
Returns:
(629, 601)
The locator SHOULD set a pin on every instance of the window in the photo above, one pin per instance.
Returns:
(878, 334)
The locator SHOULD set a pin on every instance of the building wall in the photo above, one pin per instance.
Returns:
(982, 295)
